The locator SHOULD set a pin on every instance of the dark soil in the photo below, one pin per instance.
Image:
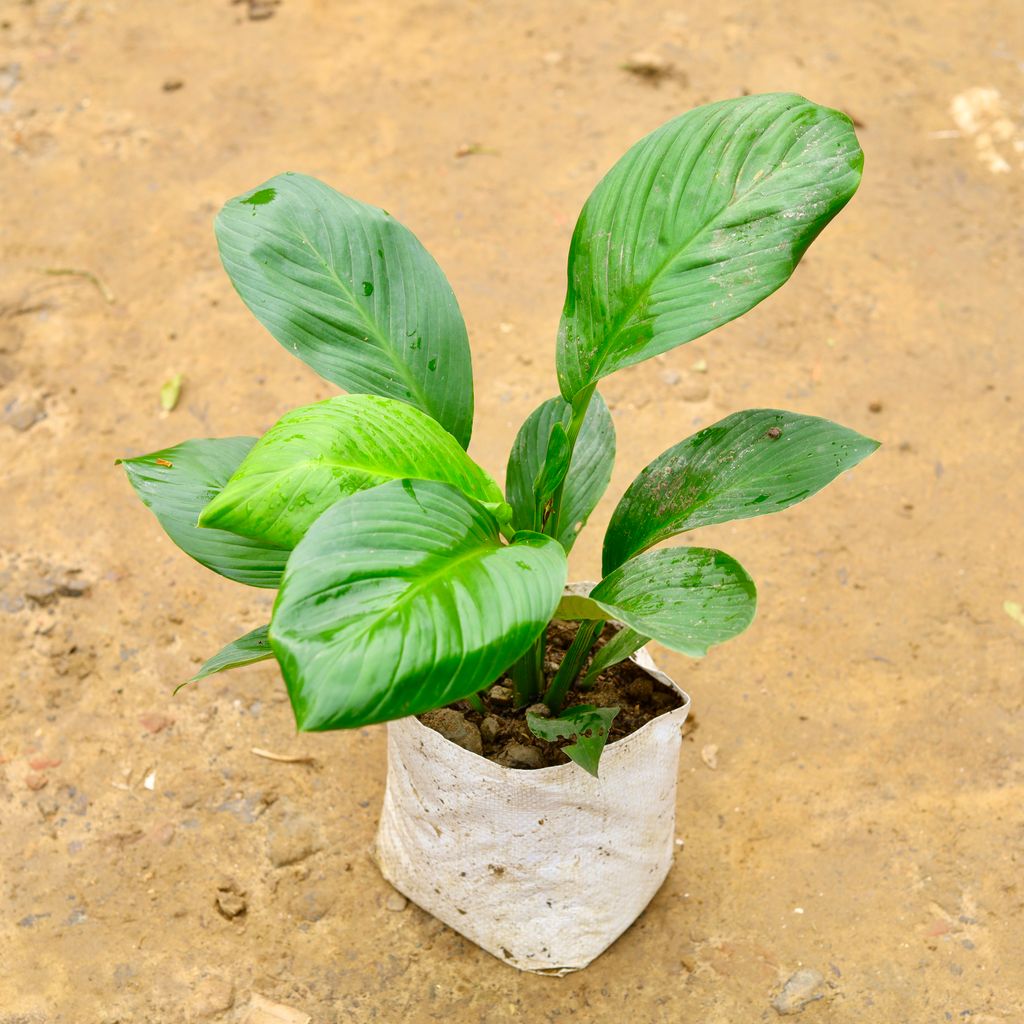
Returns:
(502, 734)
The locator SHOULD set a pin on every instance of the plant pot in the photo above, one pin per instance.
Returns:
(544, 868)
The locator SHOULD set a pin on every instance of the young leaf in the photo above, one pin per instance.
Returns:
(401, 599)
(685, 598)
(246, 650)
(351, 292)
(556, 464)
(319, 454)
(177, 483)
(749, 464)
(587, 726)
(696, 224)
(625, 643)
(586, 479)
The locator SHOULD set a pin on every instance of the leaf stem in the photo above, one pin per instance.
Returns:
(572, 663)
(476, 703)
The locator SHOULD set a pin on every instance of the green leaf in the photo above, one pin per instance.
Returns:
(351, 292)
(246, 650)
(573, 607)
(401, 599)
(625, 643)
(685, 598)
(586, 725)
(586, 479)
(749, 464)
(178, 482)
(556, 463)
(317, 455)
(696, 224)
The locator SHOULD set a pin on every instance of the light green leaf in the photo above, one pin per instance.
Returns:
(319, 454)
(626, 642)
(685, 598)
(401, 599)
(749, 464)
(178, 482)
(586, 725)
(696, 224)
(246, 650)
(586, 479)
(351, 292)
(574, 607)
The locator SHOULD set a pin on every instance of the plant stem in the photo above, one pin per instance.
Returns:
(528, 673)
(587, 632)
(476, 703)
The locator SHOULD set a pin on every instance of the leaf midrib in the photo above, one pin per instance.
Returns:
(604, 346)
(372, 326)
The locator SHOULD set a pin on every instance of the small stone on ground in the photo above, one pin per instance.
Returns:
(803, 987)
(452, 725)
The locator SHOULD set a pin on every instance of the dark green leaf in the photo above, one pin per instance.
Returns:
(351, 292)
(246, 650)
(749, 464)
(178, 482)
(319, 454)
(626, 642)
(587, 726)
(696, 224)
(588, 474)
(401, 599)
(685, 598)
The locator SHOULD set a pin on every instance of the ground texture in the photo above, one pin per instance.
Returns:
(857, 810)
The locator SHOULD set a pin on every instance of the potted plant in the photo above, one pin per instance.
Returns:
(533, 746)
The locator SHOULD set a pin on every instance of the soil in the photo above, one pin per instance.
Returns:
(863, 819)
(507, 739)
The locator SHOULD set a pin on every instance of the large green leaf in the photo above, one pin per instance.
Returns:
(685, 598)
(177, 483)
(246, 650)
(696, 224)
(403, 598)
(316, 455)
(749, 464)
(586, 725)
(588, 474)
(353, 293)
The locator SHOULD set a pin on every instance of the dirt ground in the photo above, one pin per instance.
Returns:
(865, 816)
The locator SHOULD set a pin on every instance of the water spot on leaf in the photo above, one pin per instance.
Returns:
(367, 287)
(432, 365)
(524, 565)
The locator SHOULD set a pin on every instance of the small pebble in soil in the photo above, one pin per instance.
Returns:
(490, 728)
(230, 900)
(396, 902)
(212, 996)
(540, 710)
(499, 694)
(452, 725)
(709, 755)
(21, 415)
(803, 987)
(519, 755)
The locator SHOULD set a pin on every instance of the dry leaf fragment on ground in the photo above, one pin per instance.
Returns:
(1015, 611)
(171, 392)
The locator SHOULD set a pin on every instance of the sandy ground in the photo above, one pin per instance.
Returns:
(865, 816)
